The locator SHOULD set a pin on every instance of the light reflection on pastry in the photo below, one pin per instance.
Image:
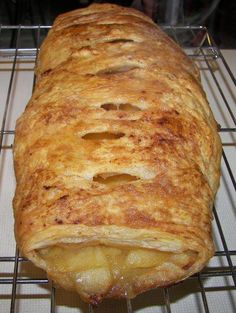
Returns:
(116, 158)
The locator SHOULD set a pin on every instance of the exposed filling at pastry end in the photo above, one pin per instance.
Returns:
(96, 270)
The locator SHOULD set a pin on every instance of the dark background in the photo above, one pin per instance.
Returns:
(221, 22)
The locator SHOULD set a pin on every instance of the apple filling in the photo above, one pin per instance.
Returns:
(97, 269)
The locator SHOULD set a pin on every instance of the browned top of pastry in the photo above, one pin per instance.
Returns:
(110, 72)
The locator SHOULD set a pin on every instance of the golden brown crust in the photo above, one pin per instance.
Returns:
(169, 143)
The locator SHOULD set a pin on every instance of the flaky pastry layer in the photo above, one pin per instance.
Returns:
(117, 158)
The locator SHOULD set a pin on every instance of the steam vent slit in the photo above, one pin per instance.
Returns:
(117, 69)
(120, 107)
(103, 136)
(114, 179)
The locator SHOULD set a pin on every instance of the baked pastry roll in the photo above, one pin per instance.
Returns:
(116, 156)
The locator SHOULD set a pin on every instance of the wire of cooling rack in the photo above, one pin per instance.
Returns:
(13, 292)
(229, 170)
(167, 299)
(219, 87)
(204, 49)
(225, 246)
(9, 89)
(203, 293)
(52, 306)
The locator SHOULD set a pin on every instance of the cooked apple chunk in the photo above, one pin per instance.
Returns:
(99, 269)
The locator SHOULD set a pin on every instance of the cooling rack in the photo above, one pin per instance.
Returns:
(23, 287)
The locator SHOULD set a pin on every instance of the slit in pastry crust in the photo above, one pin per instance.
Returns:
(117, 69)
(103, 136)
(121, 107)
(119, 40)
(114, 179)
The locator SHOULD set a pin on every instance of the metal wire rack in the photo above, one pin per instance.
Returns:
(23, 288)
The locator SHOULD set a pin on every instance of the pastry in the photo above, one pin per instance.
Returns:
(117, 158)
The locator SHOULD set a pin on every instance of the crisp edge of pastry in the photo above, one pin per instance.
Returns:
(85, 236)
